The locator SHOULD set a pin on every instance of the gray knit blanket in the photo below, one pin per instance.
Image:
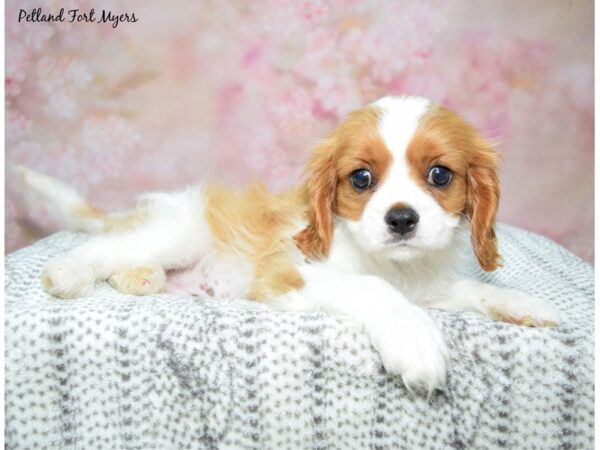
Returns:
(176, 372)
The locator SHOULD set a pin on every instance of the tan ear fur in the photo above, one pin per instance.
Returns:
(321, 185)
(483, 195)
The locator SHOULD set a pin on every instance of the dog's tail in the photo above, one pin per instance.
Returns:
(74, 209)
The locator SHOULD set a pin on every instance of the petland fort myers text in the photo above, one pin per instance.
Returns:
(76, 15)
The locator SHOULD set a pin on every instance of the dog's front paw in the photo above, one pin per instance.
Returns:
(140, 280)
(410, 344)
(65, 277)
(515, 307)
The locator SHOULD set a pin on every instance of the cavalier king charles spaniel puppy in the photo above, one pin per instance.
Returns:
(394, 201)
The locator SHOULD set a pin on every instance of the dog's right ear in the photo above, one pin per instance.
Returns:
(321, 186)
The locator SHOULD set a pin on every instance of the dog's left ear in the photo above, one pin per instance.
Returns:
(321, 186)
(483, 195)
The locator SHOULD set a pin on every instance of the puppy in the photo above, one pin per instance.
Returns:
(394, 201)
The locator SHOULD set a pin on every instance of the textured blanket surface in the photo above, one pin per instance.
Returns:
(176, 372)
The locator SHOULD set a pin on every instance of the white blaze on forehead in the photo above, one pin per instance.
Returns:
(398, 124)
(399, 120)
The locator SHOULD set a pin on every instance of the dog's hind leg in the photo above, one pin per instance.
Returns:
(173, 234)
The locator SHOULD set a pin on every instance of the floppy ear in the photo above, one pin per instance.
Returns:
(483, 195)
(321, 186)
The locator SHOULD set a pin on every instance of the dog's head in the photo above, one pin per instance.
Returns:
(402, 173)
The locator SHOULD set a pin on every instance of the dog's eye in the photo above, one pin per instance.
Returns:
(439, 176)
(361, 179)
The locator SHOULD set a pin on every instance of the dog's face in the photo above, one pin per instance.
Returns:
(403, 173)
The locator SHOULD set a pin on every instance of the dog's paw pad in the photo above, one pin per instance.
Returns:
(144, 280)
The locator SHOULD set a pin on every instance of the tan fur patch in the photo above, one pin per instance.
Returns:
(145, 280)
(364, 149)
(257, 225)
(526, 321)
(112, 222)
(399, 205)
(444, 138)
(355, 144)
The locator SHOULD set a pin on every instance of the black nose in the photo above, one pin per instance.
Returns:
(402, 220)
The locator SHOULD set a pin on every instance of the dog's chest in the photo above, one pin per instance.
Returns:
(418, 281)
(213, 277)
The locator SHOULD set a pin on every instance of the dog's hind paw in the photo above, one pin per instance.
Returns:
(67, 278)
(143, 280)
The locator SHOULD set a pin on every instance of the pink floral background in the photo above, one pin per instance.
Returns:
(236, 89)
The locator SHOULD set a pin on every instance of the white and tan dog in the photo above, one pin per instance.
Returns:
(394, 199)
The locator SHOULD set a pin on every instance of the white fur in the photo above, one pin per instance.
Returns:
(406, 338)
(375, 283)
(474, 295)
